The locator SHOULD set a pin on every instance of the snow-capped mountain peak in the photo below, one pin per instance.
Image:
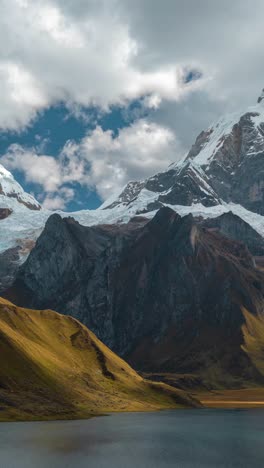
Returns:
(12, 194)
(224, 165)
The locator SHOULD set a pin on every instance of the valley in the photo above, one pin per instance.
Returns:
(242, 398)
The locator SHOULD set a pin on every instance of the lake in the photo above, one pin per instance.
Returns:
(205, 438)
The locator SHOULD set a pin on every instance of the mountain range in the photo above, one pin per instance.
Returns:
(161, 271)
(222, 172)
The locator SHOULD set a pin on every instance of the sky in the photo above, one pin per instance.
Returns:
(95, 93)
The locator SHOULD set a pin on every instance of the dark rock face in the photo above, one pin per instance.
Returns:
(5, 212)
(185, 185)
(236, 169)
(191, 185)
(129, 194)
(10, 261)
(234, 227)
(149, 290)
(9, 264)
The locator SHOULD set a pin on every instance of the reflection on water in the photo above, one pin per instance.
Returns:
(184, 439)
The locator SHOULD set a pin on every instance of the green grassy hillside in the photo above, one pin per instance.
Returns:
(54, 367)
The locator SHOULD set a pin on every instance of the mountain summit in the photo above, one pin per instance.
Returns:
(224, 165)
(12, 193)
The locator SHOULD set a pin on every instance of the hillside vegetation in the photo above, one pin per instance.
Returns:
(54, 367)
(248, 396)
(253, 332)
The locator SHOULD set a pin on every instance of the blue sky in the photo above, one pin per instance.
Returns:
(53, 127)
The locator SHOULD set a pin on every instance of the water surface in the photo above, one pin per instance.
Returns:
(183, 439)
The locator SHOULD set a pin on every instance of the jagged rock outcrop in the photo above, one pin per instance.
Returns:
(235, 228)
(185, 184)
(9, 264)
(166, 294)
(233, 159)
(5, 212)
(10, 261)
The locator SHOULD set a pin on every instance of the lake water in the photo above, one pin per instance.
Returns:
(182, 439)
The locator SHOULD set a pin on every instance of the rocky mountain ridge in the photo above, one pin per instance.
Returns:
(161, 293)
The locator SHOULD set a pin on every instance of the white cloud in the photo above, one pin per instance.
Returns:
(109, 51)
(58, 201)
(21, 96)
(106, 52)
(101, 161)
(51, 20)
(40, 169)
(139, 151)
(49, 54)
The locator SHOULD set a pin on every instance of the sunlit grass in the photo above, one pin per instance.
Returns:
(253, 333)
(52, 366)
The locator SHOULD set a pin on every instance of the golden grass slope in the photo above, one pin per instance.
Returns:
(54, 367)
(253, 333)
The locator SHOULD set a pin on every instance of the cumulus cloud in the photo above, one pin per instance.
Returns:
(139, 151)
(21, 96)
(101, 161)
(105, 52)
(40, 169)
(49, 54)
(222, 38)
(58, 201)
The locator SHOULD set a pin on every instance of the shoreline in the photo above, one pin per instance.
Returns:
(236, 398)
